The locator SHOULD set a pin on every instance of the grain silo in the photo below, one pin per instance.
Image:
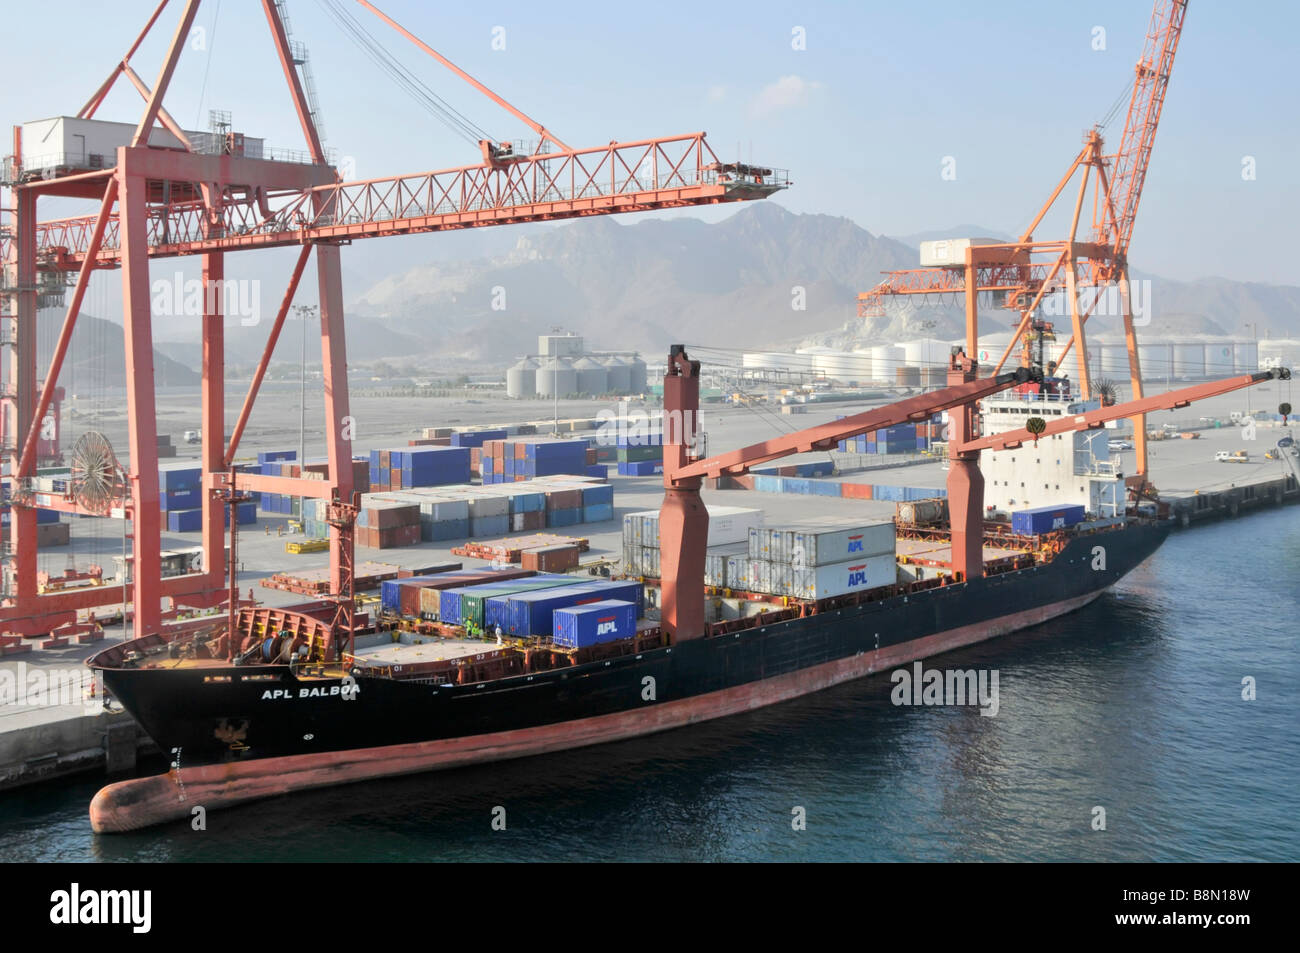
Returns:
(556, 378)
(521, 380)
(636, 376)
(592, 377)
(619, 374)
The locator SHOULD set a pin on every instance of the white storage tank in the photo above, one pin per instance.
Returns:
(521, 380)
(760, 360)
(1245, 355)
(556, 378)
(884, 359)
(618, 373)
(926, 352)
(1189, 360)
(1156, 358)
(1220, 358)
(1112, 362)
(843, 366)
(592, 376)
(991, 348)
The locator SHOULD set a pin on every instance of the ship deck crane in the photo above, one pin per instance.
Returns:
(683, 519)
(1027, 270)
(164, 202)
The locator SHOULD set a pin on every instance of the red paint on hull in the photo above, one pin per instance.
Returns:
(142, 802)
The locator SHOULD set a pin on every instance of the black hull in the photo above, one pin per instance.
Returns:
(253, 712)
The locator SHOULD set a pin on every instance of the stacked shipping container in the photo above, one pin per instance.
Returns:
(514, 461)
(406, 467)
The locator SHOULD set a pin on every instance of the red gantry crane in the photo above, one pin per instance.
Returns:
(1027, 270)
(215, 197)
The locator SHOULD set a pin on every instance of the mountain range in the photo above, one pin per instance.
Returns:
(735, 284)
(759, 279)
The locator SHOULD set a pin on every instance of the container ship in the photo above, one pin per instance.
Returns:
(291, 698)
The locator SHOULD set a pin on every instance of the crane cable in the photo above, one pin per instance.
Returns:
(430, 101)
(1113, 111)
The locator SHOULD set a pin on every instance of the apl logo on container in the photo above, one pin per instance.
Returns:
(607, 625)
(858, 575)
(855, 544)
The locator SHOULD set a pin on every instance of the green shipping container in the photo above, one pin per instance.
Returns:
(471, 603)
(638, 454)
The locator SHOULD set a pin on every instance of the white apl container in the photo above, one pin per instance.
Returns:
(838, 579)
(818, 544)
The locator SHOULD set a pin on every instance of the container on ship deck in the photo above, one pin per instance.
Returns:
(530, 613)
(474, 601)
(838, 579)
(581, 626)
(1043, 519)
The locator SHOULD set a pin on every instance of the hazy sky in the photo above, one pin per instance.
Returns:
(863, 117)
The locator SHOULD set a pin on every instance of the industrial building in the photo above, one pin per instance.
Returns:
(562, 367)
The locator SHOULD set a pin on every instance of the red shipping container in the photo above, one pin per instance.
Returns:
(524, 522)
(564, 500)
(857, 491)
(408, 598)
(385, 461)
(387, 517)
(399, 536)
(591, 456)
(559, 558)
(520, 450)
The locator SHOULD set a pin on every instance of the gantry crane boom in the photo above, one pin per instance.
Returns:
(1094, 419)
(650, 174)
(826, 436)
(1129, 166)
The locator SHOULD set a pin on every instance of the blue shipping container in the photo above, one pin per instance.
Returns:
(1044, 519)
(580, 626)
(571, 517)
(600, 493)
(180, 499)
(182, 479)
(531, 613)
